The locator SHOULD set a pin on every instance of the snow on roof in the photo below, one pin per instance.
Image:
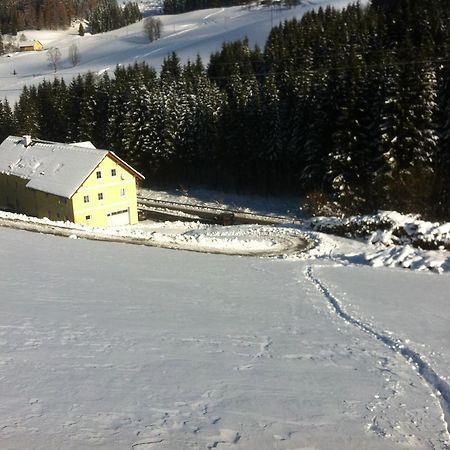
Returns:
(85, 144)
(51, 167)
(28, 43)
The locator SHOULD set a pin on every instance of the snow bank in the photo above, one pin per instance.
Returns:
(242, 240)
(385, 240)
(388, 227)
(395, 240)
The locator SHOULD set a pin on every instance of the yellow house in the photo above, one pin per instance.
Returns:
(74, 182)
(30, 46)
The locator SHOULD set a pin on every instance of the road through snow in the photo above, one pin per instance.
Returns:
(115, 346)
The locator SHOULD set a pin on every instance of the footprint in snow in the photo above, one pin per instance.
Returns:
(224, 437)
(243, 368)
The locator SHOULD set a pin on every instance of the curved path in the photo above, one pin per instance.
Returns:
(262, 241)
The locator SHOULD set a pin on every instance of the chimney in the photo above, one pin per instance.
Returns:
(27, 140)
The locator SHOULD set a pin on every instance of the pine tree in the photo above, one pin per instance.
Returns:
(88, 118)
(171, 68)
(50, 100)
(441, 194)
(138, 128)
(8, 124)
(271, 133)
(101, 102)
(119, 104)
(406, 176)
(72, 108)
(26, 112)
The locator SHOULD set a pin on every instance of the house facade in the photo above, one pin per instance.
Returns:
(73, 182)
(31, 46)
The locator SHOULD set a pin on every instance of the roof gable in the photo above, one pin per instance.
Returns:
(126, 166)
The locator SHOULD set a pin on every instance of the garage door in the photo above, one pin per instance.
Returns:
(118, 218)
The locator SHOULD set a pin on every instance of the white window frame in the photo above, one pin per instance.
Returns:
(100, 196)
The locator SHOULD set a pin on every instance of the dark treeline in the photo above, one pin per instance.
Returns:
(104, 15)
(17, 15)
(181, 6)
(353, 105)
(107, 15)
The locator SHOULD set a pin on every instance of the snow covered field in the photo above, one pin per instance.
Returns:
(107, 345)
(118, 346)
(191, 34)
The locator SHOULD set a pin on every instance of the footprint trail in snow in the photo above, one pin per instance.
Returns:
(437, 384)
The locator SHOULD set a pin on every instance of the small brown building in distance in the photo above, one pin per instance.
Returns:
(31, 46)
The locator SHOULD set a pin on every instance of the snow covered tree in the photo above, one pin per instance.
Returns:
(8, 125)
(171, 68)
(409, 137)
(26, 112)
(88, 118)
(138, 128)
(441, 195)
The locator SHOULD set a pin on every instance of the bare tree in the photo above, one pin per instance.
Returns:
(74, 54)
(152, 28)
(54, 58)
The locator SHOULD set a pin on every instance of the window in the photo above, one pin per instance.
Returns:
(88, 217)
(86, 199)
(113, 172)
(122, 192)
(100, 195)
(98, 174)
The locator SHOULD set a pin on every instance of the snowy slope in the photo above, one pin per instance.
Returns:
(114, 346)
(191, 34)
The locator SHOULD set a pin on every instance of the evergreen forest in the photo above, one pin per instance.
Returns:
(181, 6)
(103, 15)
(351, 106)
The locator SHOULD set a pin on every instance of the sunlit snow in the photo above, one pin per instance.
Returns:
(195, 33)
(116, 346)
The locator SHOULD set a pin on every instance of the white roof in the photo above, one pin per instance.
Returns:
(51, 167)
(27, 43)
(85, 144)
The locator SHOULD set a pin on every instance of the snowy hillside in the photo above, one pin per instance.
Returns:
(116, 346)
(191, 34)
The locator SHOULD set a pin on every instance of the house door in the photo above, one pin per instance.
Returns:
(116, 218)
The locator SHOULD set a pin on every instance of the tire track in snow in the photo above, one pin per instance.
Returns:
(438, 385)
